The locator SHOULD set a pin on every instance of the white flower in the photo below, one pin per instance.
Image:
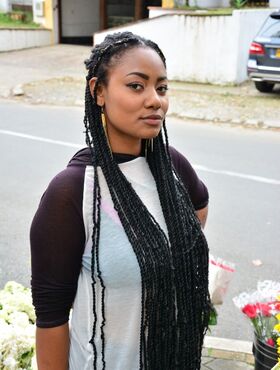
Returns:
(17, 329)
(10, 363)
(13, 298)
(19, 319)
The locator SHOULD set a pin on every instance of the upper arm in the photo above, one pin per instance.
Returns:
(57, 241)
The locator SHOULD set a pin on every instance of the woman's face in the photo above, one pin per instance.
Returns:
(135, 99)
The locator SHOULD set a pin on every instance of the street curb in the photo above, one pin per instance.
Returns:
(228, 349)
(11, 94)
(250, 123)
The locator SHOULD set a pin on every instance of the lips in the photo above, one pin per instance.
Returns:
(153, 120)
(153, 117)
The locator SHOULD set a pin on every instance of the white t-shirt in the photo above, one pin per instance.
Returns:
(120, 273)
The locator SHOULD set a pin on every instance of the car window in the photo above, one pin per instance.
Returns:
(271, 28)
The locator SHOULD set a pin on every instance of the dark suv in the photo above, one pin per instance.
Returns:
(264, 56)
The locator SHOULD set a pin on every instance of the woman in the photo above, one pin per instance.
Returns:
(117, 235)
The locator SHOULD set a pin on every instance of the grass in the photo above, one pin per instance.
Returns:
(238, 4)
(205, 11)
(7, 22)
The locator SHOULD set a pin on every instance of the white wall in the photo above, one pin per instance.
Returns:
(274, 4)
(208, 49)
(38, 15)
(55, 22)
(210, 3)
(14, 39)
(5, 6)
(156, 11)
(80, 18)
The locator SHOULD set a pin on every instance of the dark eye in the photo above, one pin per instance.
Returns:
(135, 86)
(163, 89)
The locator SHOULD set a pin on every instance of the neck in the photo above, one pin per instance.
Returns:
(130, 147)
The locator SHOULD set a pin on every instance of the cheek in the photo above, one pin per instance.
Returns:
(165, 104)
(122, 105)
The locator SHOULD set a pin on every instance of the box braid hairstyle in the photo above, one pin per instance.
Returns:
(174, 269)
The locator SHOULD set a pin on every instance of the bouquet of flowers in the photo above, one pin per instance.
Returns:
(262, 307)
(17, 329)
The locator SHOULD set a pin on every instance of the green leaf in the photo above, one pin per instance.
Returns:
(213, 316)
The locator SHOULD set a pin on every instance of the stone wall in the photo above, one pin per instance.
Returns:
(15, 39)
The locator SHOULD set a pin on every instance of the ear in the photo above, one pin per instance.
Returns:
(100, 98)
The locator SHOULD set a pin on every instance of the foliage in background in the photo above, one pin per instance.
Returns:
(205, 11)
(238, 4)
(234, 4)
(17, 19)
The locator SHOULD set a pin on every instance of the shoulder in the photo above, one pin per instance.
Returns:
(81, 159)
(179, 161)
(67, 185)
(183, 167)
(74, 172)
(194, 185)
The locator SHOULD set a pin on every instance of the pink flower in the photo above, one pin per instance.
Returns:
(270, 342)
(264, 309)
(250, 310)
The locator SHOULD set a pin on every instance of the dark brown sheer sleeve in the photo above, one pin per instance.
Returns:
(197, 190)
(57, 240)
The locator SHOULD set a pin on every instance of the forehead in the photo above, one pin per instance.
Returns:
(140, 59)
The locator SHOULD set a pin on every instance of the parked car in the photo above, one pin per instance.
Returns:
(264, 55)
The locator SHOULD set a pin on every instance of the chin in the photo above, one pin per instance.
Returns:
(151, 135)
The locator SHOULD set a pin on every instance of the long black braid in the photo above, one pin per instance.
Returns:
(174, 269)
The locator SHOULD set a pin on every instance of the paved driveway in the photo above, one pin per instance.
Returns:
(56, 75)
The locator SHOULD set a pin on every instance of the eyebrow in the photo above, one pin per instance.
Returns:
(146, 77)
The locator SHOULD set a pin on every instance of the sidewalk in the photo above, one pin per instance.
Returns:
(226, 354)
(56, 75)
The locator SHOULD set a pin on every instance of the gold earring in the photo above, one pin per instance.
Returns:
(103, 119)
(104, 124)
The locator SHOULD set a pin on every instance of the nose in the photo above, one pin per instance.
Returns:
(153, 100)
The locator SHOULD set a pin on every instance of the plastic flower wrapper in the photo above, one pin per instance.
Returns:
(262, 307)
(17, 329)
(220, 274)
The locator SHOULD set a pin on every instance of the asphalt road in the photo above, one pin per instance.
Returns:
(240, 167)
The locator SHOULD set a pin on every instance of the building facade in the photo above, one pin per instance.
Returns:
(75, 22)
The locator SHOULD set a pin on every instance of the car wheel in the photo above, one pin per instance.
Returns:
(263, 86)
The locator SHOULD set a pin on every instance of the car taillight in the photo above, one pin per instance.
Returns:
(256, 49)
